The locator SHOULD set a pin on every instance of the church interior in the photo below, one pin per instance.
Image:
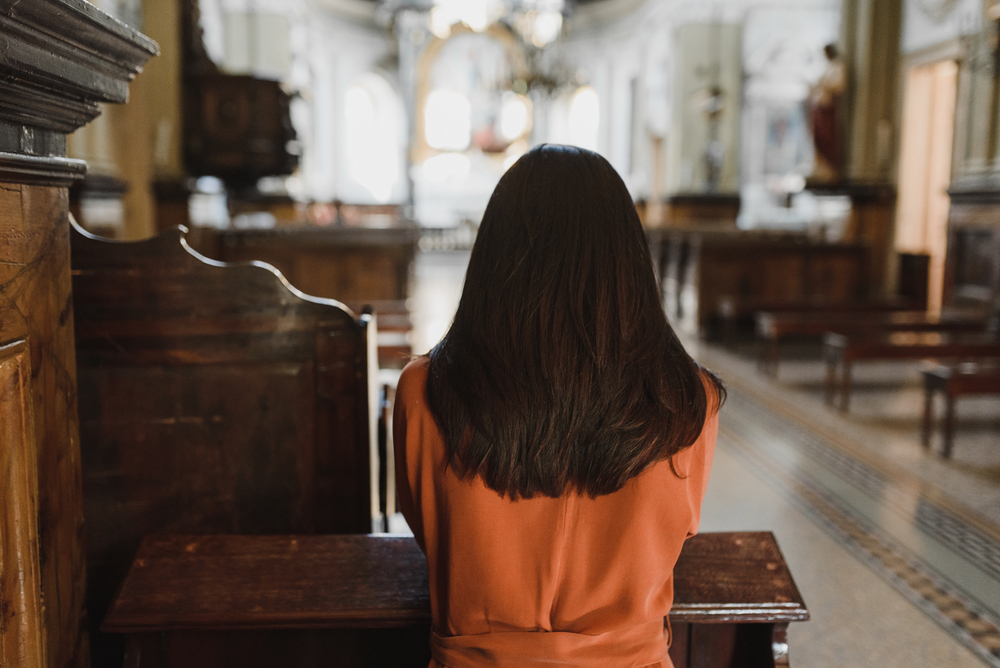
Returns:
(227, 225)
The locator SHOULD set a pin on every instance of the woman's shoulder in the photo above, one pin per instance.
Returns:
(715, 392)
(413, 379)
(415, 371)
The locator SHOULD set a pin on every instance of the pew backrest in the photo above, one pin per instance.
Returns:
(214, 398)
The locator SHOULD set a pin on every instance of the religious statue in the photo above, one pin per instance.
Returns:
(823, 119)
(712, 103)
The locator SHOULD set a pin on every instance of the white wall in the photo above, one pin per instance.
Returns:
(340, 53)
(609, 59)
(930, 22)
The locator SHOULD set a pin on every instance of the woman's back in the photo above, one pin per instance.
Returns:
(553, 448)
(592, 574)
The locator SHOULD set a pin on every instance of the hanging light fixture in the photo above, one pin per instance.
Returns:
(538, 22)
(478, 15)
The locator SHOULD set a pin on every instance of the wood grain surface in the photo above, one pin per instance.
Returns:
(36, 307)
(279, 582)
(21, 626)
(214, 398)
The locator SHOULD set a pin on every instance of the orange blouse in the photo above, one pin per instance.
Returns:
(543, 582)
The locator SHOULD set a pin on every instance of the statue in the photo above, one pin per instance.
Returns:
(823, 119)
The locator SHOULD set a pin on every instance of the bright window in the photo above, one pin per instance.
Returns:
(515, 116)
(448, 120)
(373, 136)
(584, 118)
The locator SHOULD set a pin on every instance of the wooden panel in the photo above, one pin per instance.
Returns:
(976, 265)
(229, 582)
(21, 624)
(972, 265)
(348, 264)
(254, 601)
(871, 223)
(747, 268)
(193, 456)
(834, 277)
(37, 307)
(60, 60)
(214, 399)
(718, 209)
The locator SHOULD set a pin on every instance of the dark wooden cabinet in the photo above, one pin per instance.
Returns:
(238, 128)
(972, 264)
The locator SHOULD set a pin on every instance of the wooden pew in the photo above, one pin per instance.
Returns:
(732, 312)
(347, 601)
(750, 269)
(773, 326)
(954, 381)
(356, 265)
(843, 350)
(394, 327)
(911, 295)
(213, 398)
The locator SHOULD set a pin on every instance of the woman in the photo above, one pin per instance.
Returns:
(552, 450)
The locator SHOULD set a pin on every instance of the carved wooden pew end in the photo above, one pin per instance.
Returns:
(214, 398)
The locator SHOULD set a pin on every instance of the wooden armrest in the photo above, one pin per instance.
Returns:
(355, 581)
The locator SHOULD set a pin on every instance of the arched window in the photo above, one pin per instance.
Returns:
(447, 120)
(374, 124)
(584, 118)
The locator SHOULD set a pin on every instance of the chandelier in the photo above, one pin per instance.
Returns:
(537, 22)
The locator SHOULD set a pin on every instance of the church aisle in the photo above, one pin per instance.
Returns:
(858, 619)
(894, 566)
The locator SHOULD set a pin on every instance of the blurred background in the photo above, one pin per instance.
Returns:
(837, 122)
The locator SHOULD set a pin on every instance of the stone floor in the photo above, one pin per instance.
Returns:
(895, 550)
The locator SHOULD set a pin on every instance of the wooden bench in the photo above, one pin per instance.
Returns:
(843, 350)
(706, 265)
(733, 312)
(346, 601)
(214, 398)
(953, 381)
(359, 266)
(773, 326)
(394, 328)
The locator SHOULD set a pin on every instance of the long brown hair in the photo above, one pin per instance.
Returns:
(560, 369)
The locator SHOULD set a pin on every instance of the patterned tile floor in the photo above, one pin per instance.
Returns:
(885, 508)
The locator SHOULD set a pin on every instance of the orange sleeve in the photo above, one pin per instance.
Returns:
(408, 391)
(703, 452)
